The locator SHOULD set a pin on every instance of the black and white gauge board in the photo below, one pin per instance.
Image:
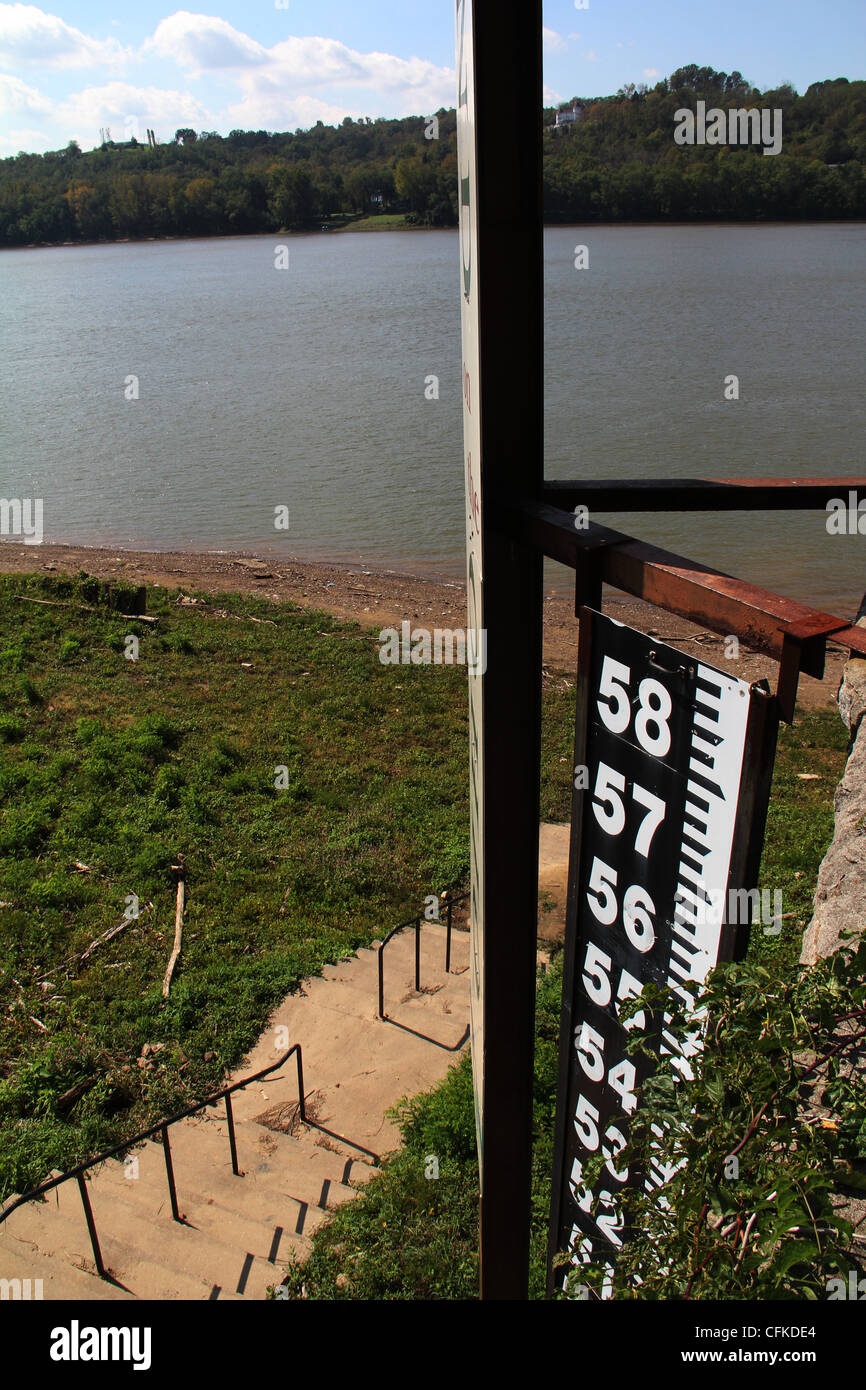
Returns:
(673, 760)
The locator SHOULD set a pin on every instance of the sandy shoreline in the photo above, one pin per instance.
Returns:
(385, 598)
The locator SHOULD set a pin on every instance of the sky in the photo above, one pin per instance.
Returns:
(70, 69)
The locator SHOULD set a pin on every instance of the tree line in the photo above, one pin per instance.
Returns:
(619, 161)
(616, 162)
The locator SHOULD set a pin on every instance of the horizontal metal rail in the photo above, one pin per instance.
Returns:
(793, 634)
(701, 494)
(416, 923)
(162, 1128)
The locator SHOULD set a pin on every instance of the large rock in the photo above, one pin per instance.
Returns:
(852, 693)
(840, 897)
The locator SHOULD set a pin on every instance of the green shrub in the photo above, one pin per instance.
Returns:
(69, 649)
(767, 1140)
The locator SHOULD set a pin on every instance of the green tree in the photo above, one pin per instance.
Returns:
(291, 197)
(415, 182)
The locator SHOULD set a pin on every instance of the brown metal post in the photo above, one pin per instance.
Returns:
(301, 1103)
(230, 1121)
(91, 1227)
(499, 124)
(169, 1173)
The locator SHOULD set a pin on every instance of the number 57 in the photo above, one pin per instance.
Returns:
(609, 807)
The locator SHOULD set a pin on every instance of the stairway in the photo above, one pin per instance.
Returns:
(238, 1232)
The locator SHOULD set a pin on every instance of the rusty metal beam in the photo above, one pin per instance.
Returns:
(702, 494)
(854, 638)
(764, 621)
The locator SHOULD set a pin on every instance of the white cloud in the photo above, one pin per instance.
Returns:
(16, 140)
(591, 56)
(292, 84)
(320, 62)
(204, 43)
(273, 93)
(275, 111)
(549, 96)
(201, 43)
(651, 72)
(17, 99)
(552, 40)
(30, 36)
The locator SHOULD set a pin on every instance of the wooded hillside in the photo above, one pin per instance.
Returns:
(617, 162)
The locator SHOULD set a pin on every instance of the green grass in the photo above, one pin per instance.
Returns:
(379, 222)
(126, 766)
(799, 823)
(123, 767)
(557, 741)
(412, 1235)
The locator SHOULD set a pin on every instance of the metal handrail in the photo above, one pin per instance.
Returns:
(161, 1126)
(416, 923)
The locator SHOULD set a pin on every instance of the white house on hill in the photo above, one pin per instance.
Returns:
(570, 116)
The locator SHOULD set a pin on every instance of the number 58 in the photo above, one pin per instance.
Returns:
(654, 707)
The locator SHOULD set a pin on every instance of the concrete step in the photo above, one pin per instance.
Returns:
(442, 1010)
(202, 1166)
(252, 1217)
(60, 1280)
(284, 1181)
(398, 975)
(242, 1229)
(59, 1233)
(353, 1068)
(287, 1182)
(430, 931)
(158, 1258)
(275, 1223)
(261, 1150)
(313, 1150)
(402, 948)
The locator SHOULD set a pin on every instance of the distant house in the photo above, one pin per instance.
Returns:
(570, 116)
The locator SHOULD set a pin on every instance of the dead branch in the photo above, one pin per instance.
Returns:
(178, 936)
(83, 608)
(106, 936)
(89, 950)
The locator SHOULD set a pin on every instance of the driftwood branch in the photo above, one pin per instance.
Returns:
(178, 937)
(83, 608)
(106, 936)
(88, 951)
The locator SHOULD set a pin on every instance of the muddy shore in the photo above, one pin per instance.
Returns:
(385, 598)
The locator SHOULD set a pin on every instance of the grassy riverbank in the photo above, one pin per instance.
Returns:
(113, 770)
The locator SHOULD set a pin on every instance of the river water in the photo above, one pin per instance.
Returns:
(307, 388)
